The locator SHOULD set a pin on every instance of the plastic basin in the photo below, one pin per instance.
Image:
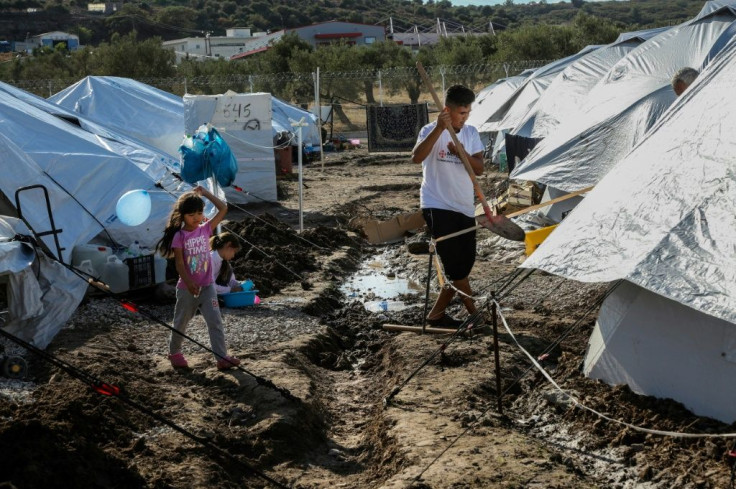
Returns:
(240, 299)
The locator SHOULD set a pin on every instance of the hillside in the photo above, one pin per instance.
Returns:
(172, 19)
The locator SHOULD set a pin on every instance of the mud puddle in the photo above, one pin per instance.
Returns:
(378, 287)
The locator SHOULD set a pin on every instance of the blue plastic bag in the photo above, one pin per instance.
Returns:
(193, 165)
(221, 160)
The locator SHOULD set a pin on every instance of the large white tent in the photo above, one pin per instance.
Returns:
(156, 116)
(156, 163)
(510, 112)
(84, 174)
(664, 221)
(560, 99)
(625, 104)
(490, 99)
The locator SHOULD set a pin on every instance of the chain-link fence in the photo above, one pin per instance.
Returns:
(346, 92)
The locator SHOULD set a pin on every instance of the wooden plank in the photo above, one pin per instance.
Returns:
(418, 329)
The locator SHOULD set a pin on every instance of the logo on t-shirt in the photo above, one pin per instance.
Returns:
(442, 153)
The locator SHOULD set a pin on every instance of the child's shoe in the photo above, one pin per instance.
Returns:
(227, 363)
(178, 361)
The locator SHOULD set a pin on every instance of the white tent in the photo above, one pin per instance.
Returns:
(42, 293)
(508, 114)
(129, 107)
(490, 99)
(664, 220)
(244, 122)
(282, 115)
(156, 163)
(624, 105)
(84, 175)
(152, 115)
(559, 100)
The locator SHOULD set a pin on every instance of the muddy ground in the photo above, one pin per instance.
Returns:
(323, 423)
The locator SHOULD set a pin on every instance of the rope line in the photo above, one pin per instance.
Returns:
(577, 403)
(245, 141)
(266, 254)
(111, 390)
(132, 307)
(466, 325)
(565, 334)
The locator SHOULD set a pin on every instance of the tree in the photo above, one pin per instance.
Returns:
(125, 56)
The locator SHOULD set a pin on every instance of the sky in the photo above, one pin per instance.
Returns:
(480, 3)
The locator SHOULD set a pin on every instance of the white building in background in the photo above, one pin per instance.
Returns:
(323, 33)
(49, 39)
(105, 8)
(231, 44)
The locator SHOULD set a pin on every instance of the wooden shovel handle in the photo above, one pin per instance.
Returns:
(549, 202)
(463, 156)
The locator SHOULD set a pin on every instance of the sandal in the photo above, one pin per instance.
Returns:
(178, 361)
(227, 362)
(445, 320)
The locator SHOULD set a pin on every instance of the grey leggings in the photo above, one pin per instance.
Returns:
(184, 310)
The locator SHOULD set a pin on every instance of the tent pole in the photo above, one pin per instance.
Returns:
(496, 354)
(299, 126)
(426, 291)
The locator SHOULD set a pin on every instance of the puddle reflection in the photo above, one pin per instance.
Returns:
(378, 288)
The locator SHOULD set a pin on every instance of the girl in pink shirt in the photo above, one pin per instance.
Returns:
(187, 237)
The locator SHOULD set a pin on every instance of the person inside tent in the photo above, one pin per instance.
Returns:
(446, 195)
(683, 79)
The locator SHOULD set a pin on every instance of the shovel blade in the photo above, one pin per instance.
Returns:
(502, 226)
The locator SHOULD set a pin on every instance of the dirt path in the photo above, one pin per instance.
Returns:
(442, 429)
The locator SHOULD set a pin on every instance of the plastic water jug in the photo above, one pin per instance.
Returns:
(134, 249)
(96, 254)
(115, 275)
(159, 268)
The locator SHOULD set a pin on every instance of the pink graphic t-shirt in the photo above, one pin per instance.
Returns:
(196, 253)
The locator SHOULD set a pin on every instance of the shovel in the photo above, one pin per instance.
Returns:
(498, 224)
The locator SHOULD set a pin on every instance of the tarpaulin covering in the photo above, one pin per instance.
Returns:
(395, 127)
(154, 116)
(492, 97)
(510, 113)
(84, 173)
(128, 106)
(623, 106)
(42, 293)
(665, 217)
(560, 100)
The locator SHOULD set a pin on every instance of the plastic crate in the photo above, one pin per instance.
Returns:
(141, 271)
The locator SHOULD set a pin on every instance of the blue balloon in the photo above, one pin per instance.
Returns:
(134, 207)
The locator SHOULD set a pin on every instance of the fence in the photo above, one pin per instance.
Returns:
(347, 92)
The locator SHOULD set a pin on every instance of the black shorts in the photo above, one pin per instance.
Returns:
(458, 253)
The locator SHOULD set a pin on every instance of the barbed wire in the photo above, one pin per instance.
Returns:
(401, 72)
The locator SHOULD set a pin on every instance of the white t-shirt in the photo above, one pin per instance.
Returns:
(445, 182)
(216, 266)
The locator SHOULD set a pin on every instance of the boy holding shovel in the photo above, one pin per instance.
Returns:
(446, 195)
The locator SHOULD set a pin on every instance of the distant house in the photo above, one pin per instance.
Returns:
(51, 39)
(105, 8)
(235, 41)
(319, 35)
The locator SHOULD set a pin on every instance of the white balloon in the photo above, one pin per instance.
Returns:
(134, 207)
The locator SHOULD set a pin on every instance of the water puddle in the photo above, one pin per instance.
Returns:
(378, 288)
